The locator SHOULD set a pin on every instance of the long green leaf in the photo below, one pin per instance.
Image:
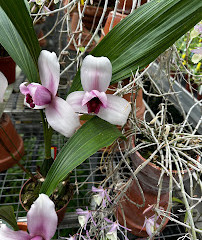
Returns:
(92, 136)
(12, 42)
(142, 36)
(19, 16)
(7, 214)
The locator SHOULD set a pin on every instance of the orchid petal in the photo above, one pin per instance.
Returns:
(23, 88)
(94, 93)
(149, 229)
(117, 110)
(97, 199)
(196, 58)
(40, 95)
(82, 220)
(75, 100)
(96, 73)
(42, 219)
(4, 85)
(49, 71)
(197, 50)
(61, 117)
(37, 238)
(112, 235)
(8, 234)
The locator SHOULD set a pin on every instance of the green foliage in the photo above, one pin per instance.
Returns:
(20, 18)
(92, 136)
(143, 35)
(13, 43)
(7, 214)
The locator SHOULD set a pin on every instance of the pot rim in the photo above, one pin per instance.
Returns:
(154, 165)
(20, 198)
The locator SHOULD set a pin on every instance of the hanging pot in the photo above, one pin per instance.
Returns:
(10, 142)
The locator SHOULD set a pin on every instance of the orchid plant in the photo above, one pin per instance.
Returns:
(97, 72)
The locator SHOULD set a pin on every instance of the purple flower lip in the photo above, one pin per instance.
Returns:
(96, 73)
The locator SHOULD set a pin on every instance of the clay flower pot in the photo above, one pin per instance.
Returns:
(148, 178)
(128, 5)
(10, 140)
(7, 67)
(86, 35)
(60, 213)
(22, 226)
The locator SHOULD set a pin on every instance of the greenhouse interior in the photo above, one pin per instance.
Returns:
(100, 119)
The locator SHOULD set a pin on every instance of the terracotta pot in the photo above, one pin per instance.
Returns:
(60, 213)
(148, 179)
(128, 5)
(22, 226)
(7, 67)
(86, 35)
(12, 141)
(92, 15)
(38, 27)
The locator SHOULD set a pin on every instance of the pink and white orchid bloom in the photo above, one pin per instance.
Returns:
(114, 226)
(96, 73)
(149, 224)
(41, 222)
(100, 197)
(197, 54)
(84, 216)
(60, 115)
(4, 85)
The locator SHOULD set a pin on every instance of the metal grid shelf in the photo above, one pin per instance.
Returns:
(12, 180)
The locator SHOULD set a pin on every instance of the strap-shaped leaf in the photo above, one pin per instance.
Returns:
(16, 48)
(19, 16)
(143, 35)
(7, 214)
(92, 136)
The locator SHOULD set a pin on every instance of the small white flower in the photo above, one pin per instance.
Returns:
(82, 220)
(40, 2)
(112, 235)
(98, 199)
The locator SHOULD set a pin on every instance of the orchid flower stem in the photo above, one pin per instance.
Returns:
(47, 136)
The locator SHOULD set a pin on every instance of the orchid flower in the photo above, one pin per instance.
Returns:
(4, 85)
(96, 73)
(114, 226)
(84, 216)
(39, 2)
(41, 222)
(149, 223)
(196, 31)
(100, 197)
(60, 115)
(197, 54)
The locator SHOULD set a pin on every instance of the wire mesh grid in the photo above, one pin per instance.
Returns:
(13, 179)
